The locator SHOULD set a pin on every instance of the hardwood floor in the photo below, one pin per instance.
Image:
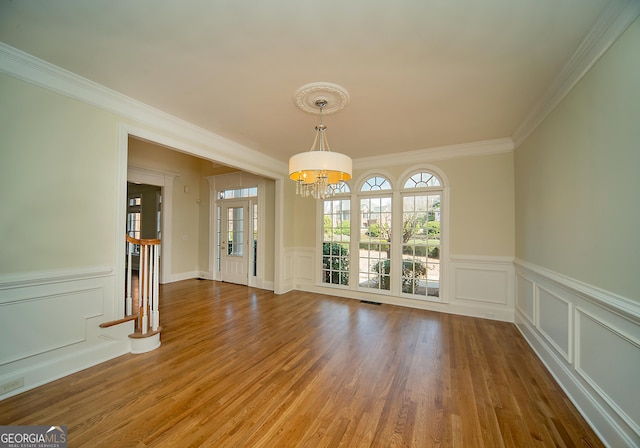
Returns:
(242, 367)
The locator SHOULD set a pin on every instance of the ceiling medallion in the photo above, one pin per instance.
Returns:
(333, 95)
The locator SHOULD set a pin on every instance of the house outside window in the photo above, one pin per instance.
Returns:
(336, 236)
(421, 217)
(374, 235)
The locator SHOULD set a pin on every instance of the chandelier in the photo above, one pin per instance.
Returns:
(319, 171)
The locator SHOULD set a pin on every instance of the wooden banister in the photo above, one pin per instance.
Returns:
(119, 321)
(148, 315)
(145, 241)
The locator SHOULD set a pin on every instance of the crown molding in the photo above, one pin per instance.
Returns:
(25, 67)
(481, 148)
(611, 23)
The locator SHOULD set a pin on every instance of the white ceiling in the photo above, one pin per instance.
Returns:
(420, 73)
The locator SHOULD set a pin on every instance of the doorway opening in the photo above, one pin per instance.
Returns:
(144, 217)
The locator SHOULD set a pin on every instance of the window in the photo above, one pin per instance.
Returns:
(376, 183)
(235, 231)
(421, 200)
(134, 214)
(394, 244)
(238, 193)
(336, 237)
(218, 236)
(254, 225)
(374, 247)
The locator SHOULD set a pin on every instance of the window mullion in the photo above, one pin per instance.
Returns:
(396, 243)
(354, 243)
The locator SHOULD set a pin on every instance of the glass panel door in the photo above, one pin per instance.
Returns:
(234, 259)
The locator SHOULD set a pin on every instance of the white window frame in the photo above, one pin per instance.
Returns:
(358, 195)
(422, 191)
(337, 196)
(397, 191)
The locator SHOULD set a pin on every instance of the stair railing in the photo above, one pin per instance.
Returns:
(148, 283)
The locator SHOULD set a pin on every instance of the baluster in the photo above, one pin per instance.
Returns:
(129, 299)
(155, 312)
(144, 290)
(148, 284)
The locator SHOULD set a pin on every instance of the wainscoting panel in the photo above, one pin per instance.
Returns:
(600, 347)
(484, 282)
(289, 271)
(46, 322)
(555, 321)
(481, 285)
(49, 326)
(304, 266)
(524, 298)
(589, 340)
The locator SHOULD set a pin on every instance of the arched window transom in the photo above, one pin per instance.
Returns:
(376, 183)
(422, 180)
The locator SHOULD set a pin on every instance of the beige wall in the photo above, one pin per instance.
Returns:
(578, 180)
(481, 204)
(191, 211)
(186, 205)
(268, 239)
(58, 163)
(301, 215)
(291, 217)
(203, 223)
(57, 170)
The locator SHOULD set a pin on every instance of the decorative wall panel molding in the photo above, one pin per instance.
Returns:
(554, 321)
(524, 298)
(600, 345)
(289, 270)
(44, 322)
(304, 265)
(49, 325)
(589, 340)
(487, 282)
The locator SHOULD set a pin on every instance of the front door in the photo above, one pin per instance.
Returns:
(234, 256)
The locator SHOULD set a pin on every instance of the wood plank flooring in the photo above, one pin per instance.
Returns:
(242, 367)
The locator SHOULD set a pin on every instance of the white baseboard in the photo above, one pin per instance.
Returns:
(470, 310)
(589, 340)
